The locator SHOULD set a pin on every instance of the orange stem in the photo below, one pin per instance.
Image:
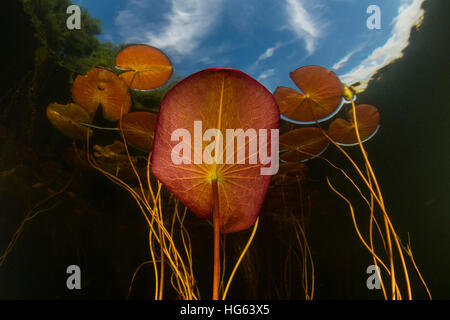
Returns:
(216, 221)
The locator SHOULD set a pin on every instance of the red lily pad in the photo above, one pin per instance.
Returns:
(343, 131)
(146, 68)
(138, 129)
(221, 99)
(102, 87)
(320, 97)
(302, 144)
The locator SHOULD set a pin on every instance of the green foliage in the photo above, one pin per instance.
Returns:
(80, 50)
(103, 56)
(150, 100)
(71, 48)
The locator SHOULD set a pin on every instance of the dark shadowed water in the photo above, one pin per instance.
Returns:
(97, 225)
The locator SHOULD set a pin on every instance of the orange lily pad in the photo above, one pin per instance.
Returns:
(222, 99)
(302, 144)
(138, 129)
(146, 68)
(67, 119)
(343, 131)
(102, 87)
(319, 100)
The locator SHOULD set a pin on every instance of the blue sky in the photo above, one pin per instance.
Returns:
(264, 38)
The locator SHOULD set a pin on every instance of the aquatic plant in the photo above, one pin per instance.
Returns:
(68, 120)
(343, 132)
(218, 94)
(290, 206)
(321, 100)
(220, 99)
(145, 68)
(302, 144)
(230, 194)
(138, 129)
(103, 88)
(37, 210)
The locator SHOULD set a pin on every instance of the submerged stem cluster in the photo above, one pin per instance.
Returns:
(391, 242)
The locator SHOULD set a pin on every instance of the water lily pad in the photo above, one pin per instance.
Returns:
(302, 144)
(343, 131)
(138, 129)
(102, 87)
(221, 99)
(67, 119)
(320, 98)
(146, 68)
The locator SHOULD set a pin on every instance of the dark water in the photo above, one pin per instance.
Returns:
(97, 225)
(410, 154)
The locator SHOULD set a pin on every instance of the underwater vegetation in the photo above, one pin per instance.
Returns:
(231, 195)
(317, 120)
(319, 103)
(305, 243)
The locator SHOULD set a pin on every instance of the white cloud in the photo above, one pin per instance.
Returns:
(268, 53)
(410, 14)
(186, 24)
(266, 74)
(306, 26)
(341, 63)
